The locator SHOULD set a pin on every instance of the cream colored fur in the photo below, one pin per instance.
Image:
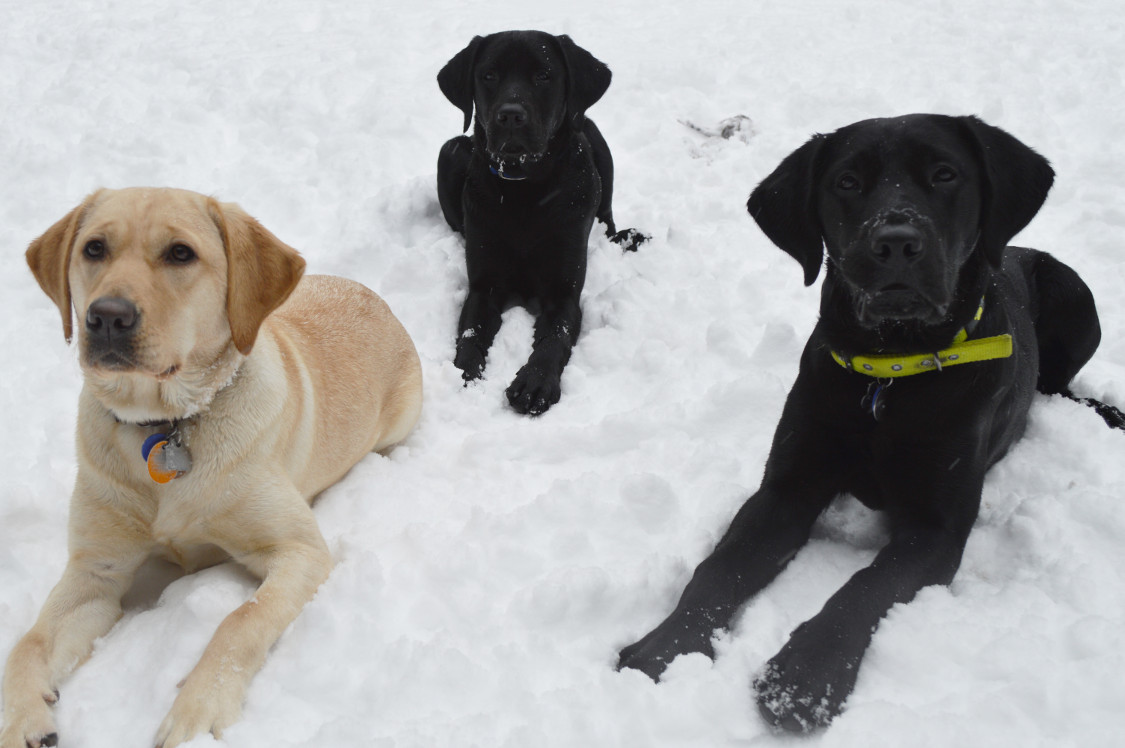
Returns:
(285, 383)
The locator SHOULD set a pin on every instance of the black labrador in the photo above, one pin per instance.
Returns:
(524, 191)
(933, 336)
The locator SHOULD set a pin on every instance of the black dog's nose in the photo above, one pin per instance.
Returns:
(112, 313)
(898, 242)
(511, 115)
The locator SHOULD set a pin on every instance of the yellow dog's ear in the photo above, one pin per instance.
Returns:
(49, 260)
(261, 271)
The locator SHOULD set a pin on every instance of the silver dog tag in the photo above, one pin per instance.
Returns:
(167, 457)
(174, 457)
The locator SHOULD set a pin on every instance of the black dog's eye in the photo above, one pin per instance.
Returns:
(847, 182)
(542, 76)
(944, 174)
(180, 254)
(94, 249)
(489, 77)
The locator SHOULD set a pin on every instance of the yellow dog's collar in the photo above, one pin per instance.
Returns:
(963, 351)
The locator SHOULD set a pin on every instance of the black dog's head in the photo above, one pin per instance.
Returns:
(902, 206)
(525, 86)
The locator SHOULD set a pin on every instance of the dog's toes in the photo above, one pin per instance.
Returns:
(528, 404)
(31, 723)
(784, 705)
(801, 691)
(470, 360)
(538, 406)
(31, 741)
(654, 652)
(533, 392)
(629, 239)
(631, 657)
(782, 719)
(202, 706)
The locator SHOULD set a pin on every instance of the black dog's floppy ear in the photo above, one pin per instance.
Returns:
(1017, 180)
(587, 79)
(456, 79)
(784, 207)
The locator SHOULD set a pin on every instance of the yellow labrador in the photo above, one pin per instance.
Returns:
(194, 323)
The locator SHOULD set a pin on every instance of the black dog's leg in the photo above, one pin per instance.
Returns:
(452, 169)
(480, 320)
(627, 239)
(766, 533)
(805, 684)
(1066, 328)
(802, 477)
(603, 162)
(1066, 320)
(537, 386)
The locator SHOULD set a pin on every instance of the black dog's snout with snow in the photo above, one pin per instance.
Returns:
(895, 244)
(511, 116)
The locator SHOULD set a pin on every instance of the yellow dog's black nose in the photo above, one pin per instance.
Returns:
(111, 314)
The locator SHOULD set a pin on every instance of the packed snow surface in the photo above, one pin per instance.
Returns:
(490, 567)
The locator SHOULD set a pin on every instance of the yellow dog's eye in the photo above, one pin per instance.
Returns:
(180, 254)
(94, 249)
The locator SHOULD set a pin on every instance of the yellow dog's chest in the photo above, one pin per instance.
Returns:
(181, 528)
(176, 513)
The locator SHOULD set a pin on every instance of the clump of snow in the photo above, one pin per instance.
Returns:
(489, 569)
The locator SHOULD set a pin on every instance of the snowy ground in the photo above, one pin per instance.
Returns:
(489, 569)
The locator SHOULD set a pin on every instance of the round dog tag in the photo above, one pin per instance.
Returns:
(151, 442)
(878, 403)
(167, 460)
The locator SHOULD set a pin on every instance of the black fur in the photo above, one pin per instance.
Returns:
(524, 191)
(914, 214)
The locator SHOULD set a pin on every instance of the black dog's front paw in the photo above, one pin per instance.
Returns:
(654, 652)
(470, 360)
(629, 239)
(804, 686)
(533, 391)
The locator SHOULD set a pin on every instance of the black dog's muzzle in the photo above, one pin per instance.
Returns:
(894, 268)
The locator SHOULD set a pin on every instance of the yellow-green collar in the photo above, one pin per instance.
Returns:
(963, 351)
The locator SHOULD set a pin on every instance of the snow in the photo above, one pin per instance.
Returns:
(489, 569)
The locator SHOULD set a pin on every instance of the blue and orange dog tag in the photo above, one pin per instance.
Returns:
(167, 458)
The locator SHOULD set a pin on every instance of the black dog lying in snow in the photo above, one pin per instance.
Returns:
(524, 191)
(915, 213)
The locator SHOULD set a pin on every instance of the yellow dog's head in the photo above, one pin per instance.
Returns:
(170, 288)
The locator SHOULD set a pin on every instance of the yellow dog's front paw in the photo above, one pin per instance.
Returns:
(197, 710)
(17, 737)
(30, 725)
